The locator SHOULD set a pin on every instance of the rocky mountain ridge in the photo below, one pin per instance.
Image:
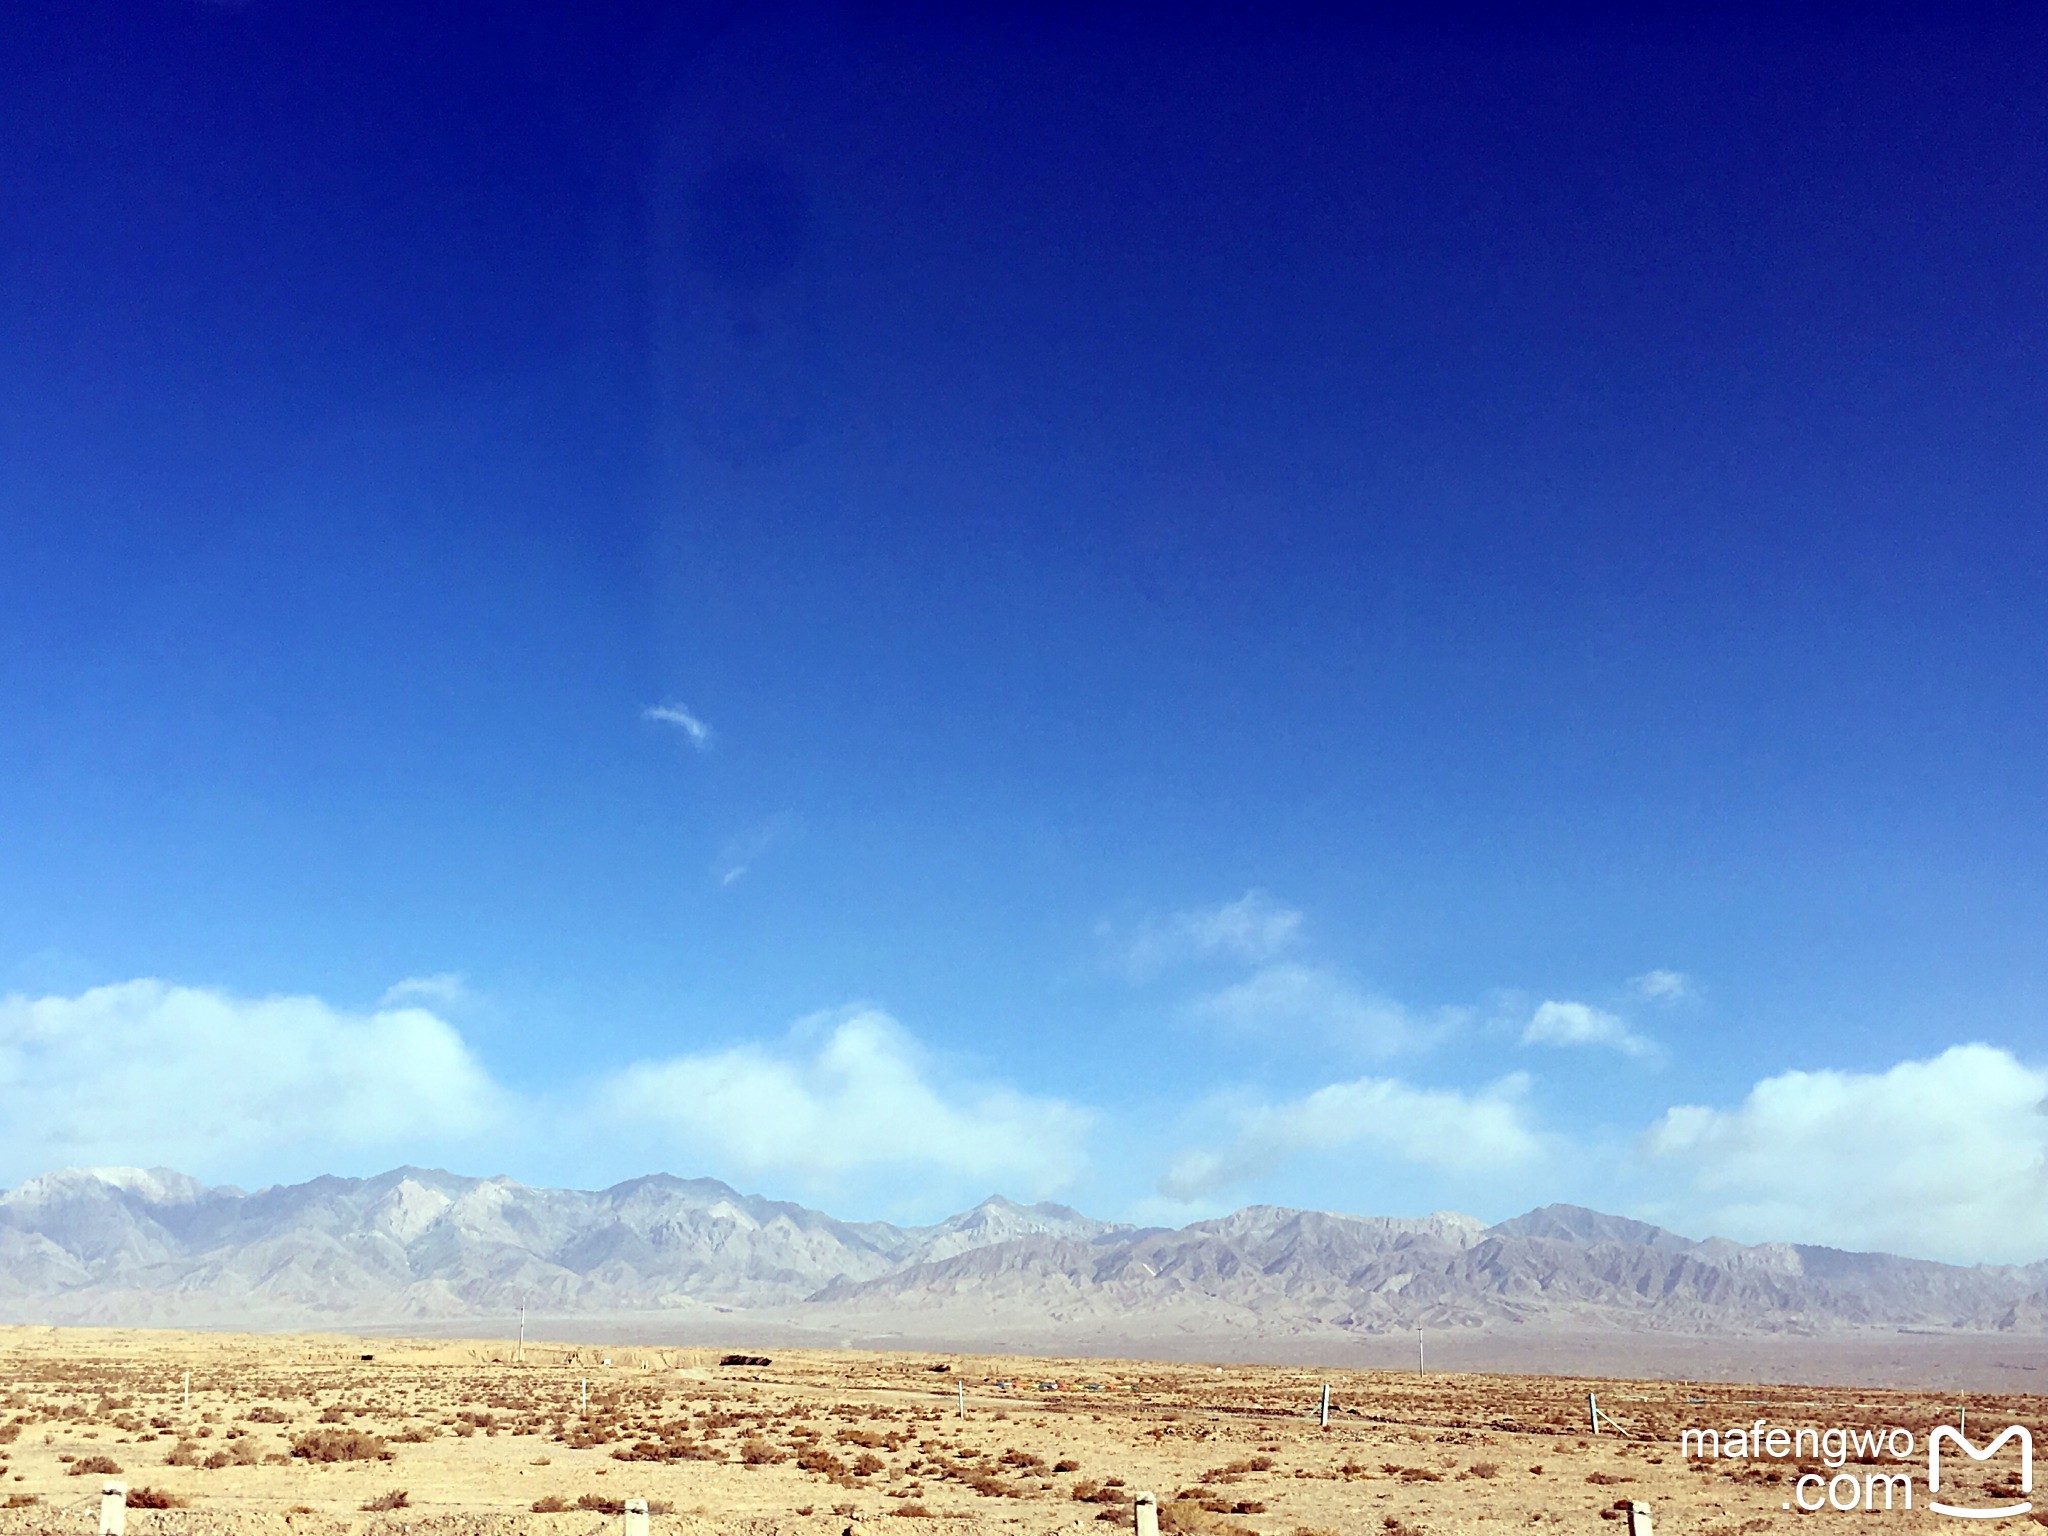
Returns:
(422, 1245)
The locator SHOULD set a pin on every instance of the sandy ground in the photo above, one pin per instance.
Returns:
(819, 1440)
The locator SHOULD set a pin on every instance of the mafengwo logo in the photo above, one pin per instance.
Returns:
(1883, 1487)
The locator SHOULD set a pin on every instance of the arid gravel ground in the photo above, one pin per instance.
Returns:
(300, 1433)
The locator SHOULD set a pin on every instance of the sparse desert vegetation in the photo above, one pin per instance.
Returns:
(428, 1436)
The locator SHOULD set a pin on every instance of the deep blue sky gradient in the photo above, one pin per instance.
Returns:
(1549, 499)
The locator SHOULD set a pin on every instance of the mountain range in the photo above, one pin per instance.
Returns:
(433, 1249)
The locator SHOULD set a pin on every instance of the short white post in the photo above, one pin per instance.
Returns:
(1148, 1515)
(1326, 1405)
(1593, 1411)
(1638, 1519)
(636, 1517)
(1421, 1355)
(113, 1509)
(586, 1397)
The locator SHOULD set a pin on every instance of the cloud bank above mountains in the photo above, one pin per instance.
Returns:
(1942, 1157)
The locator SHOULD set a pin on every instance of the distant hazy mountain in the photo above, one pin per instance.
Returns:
(129, 1246)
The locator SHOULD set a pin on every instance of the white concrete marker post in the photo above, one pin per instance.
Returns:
(1593, 1411)
(1148, 1515)
(1326, 1405)
(636, 1517)
(1638, 1519)
(113, 1509)
(586, 1397)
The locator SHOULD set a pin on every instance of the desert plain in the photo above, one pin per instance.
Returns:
(319, 1433)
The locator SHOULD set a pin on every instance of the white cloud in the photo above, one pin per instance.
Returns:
(865, 1098)
(1466, 1133)
(676, 715)
(150, 1072)
(1662, 986)
(739, 852)
(1315, 1004)
(1945, 1158)
(1253, 928)
(443, 989)
(1574, 1024)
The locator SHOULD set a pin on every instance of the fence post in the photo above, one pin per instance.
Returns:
(1638, 1519)
(1148, 1515)
(1593, 1411)
(113, 1509)
(636, 1517)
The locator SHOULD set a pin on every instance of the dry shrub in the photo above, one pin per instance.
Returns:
(94, 1466)
(550, 1504)
(912, 1511)
(1066, 1466)
(867, 1464)
(397, 1498)
(1184, 1517)
(756, 1452)
(1483, 1469)
(263, 1413)
(340, 1445)
(21, 1500)
(146, 1497)
(1607, 1479)
(598, 1504)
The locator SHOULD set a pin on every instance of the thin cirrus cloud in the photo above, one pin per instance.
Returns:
(1312, 1004)
(1945, 1157)
(739, 853)
(1440, 1129)
(865, 1098)
(1253, 928)
(443, 989)
(1580, 1024)
(700, 735)
(1662, 987)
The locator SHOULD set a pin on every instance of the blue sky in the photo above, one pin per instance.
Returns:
(1383, 617)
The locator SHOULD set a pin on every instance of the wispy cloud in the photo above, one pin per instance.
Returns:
(1662, 986)
(1581, 1024)
(1437, 1128)
(676, 715)
(444, 989)
(738, 854)
(1253, 928)
(1313, 1004)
